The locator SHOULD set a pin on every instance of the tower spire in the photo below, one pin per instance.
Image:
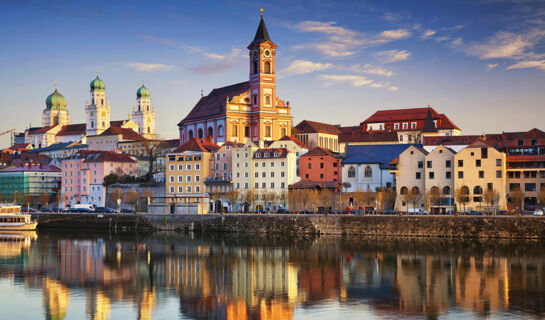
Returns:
(261, 12)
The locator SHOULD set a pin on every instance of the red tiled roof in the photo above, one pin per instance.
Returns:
(126, 134)
(369, 136)
(214, 103)
(410, 114)
(307, 126)
(105, 156)
(297, 141)
(319, 151)
(525, 158)
(39, 130)
(283, 153)
(450, 140)
(32, 167)
(20, 146)
(117, 123)
(72, 129)
(195, 144)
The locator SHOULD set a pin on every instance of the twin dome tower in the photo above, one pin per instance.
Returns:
(98, 111)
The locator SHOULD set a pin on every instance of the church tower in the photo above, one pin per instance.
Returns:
(262, 78)
(98, 111)
(55, 111)
(144, 114)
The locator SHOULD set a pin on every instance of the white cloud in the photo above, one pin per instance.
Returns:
(491, 66)
(428, 33)
(457, 42)
(538, 64)
(148, 67)
(339, 42)
(371, 69)
(355, 81)
(390, 56)
(396, 34)
(506, 45)
(441, 39)
(303, 67)
(222, 61)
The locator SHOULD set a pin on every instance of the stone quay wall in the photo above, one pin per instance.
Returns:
(526, 227)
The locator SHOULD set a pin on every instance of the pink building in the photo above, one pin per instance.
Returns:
(223, 161)
(83, 174)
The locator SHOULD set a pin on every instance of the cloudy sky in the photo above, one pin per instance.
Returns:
(480, 62)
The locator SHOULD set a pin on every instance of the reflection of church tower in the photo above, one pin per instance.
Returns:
(55, 110)
(55, 298)
(97, 112)
(144, 114)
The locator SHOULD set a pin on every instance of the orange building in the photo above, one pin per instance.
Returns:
(244, 111)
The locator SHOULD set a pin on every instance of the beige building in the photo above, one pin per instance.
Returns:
(480, 167)
(242, 166)
(109, 139)
(410, 180)
(317, 134)
(439, 180)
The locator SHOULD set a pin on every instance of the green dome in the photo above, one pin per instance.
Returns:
(55, 101)
(97, 85)
(142, 92)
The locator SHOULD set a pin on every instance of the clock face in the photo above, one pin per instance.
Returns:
(255, 54)
(267, 53)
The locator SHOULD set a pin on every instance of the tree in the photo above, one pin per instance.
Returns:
(516, 196)
(461, 195)
(413, 197)
(433, 197)
(44, 199)
(313, 199)
(293, 199)
(216, 196)
(490, 196)
(388, 199)
(346, 185)
(27, 199)
(110, 179)
(147, 194)
(115, 195)
(324, 198)
(131, 197)
(232, 196)
(249, 197)
(541, 197)
(153, 149)
(271, 197)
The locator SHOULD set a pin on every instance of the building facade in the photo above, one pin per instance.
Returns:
(318, 134)
(410, 180)
(320, 165)
(242, 166)
(29, 179)
(439, 180)
(274, 170)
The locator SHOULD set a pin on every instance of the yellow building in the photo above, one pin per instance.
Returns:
(187, 168)
(244, 111)
(480, 167)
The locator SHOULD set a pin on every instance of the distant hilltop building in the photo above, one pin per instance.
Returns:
(246, 111)
(56, 127)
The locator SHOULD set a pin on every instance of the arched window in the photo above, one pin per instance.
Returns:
(268, 131)
(201, 134)
(477, 190)
(283, 131)
(404, 190)
(255, 68)
(234, 130)
(255, 98)
(211, 132)
(351, 172)
(267, 99)
(149, 130)
(190, 134)
(267, 67)
(92, 124)
(368, 173)
(446, 190)
(247, 131)
(103, 124)
(415, 190)
(220, 131)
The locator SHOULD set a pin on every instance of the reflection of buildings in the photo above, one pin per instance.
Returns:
(55, 298)
(98, 306)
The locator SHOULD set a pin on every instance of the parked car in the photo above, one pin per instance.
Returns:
(421, 212)
(538, 212)
(390, 211)
(305, 212)
(105, 210)
(474, 213)
(282, 210)
(80, 210)
(27, 209)
(127, 211)
(332, 212)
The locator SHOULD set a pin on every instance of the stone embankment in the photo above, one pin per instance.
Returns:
(308, 225)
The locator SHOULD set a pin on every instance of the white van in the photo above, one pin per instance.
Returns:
(83, 208)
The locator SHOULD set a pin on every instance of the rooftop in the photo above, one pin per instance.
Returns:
(307, 126)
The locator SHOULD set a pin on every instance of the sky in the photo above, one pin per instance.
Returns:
(482, 63)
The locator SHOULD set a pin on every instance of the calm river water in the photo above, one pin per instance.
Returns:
(176, 276)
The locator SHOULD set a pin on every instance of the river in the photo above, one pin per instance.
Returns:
(59, 275)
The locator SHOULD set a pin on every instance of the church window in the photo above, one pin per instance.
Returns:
(190, 134)
(267, 99)
(210, 132)
(351, 172)
(368, 172)
(255, 98)
(220, 131)
(268, 131)
(200, 133)
(92, 100)
(247, 131)
(255, 68)
(267, 67)
(92, 124)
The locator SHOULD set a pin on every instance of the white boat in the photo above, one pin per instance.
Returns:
(12, 219)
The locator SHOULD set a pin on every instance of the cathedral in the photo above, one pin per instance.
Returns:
(56, 126)
(244, 111)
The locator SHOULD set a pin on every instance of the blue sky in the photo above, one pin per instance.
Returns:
(480, 62)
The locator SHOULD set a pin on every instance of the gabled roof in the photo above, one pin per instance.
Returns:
(478, 143)
(369, 136)
(40, 130)
(31, 168)
(307, 126)
(106, 156)
(319, 151)
(411, 114)
(72, 129)
(20, 146)
(126, 133)
(53, 147)
(214, 103)
(295, 140)
(199, 145)
(374, 154)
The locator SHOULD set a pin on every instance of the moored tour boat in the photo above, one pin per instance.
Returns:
(12, 219)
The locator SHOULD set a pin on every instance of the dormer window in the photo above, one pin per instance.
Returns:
(276, 154)
(266, 154)
(258, 155)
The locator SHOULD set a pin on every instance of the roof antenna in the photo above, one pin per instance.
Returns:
(261, 12)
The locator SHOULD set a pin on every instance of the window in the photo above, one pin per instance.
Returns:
(267, 99)
(351, 172)
(428, 164)
(254, 67)
(254, 97)
(220, 131)
(431, 175)
(272, 185)
(267, 67)
(498, 174)
(418, 175)
(257, 185)
(197, 189)
(197, 178)
(368, 173)
(234, 130)
(460, 174)
(171, 178)
(246, 131)
(188, 189)
(478, 163)
(264, 185)
(420, 164)
(405, 125)
(180, 189)
(188, 179)
(268, 130)
(448, 175)
(225, 166)
(484, 153)
(180, 167)
(481, 174)
(446, 190)
(460, 163)
(413, 125)
(514, 186)
(282, 174)
(263, 174)
(272, 174)
(530, 187)
(396, 126)
(197, 166)
(447, 164)
(498, 162)
(180, 178)
(282, 185)
(171, 189)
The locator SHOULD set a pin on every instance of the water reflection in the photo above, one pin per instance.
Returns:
(233, 278)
